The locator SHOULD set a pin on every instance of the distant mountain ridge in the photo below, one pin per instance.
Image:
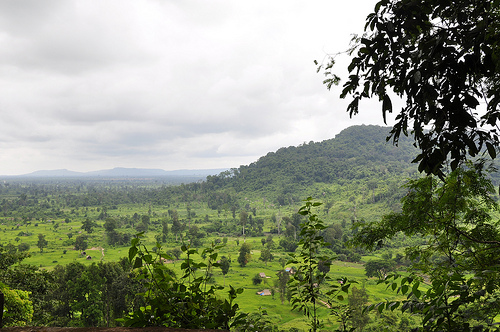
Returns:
(125, 172)
(356, 153)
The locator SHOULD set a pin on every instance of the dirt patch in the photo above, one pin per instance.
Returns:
(100, 329)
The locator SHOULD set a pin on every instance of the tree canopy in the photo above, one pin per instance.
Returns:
(460, 258)
(442, 58)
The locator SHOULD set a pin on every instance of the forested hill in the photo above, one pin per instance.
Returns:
(356, 153)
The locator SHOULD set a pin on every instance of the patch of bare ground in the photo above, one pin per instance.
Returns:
(100, 329)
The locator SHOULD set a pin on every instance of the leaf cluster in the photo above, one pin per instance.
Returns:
(443, 59)
(461, 257)
(304, 285)
(185, 302)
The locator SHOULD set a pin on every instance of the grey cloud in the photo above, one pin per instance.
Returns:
(143, 83)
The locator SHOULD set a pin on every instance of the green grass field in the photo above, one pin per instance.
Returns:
(60, 251)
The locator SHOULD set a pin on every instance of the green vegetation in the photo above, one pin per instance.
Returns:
(306, 283)
(188, 301)
(83, 276)
(443, 59)
(87, 226)
(18, 310)
(460, 257)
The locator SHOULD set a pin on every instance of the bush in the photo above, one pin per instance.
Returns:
(257, 279)
(18, 309)
(23, 247)
(187, 302)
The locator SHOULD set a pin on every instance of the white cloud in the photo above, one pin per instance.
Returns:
(86, 85)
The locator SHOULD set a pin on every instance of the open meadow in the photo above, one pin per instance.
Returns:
(61, 231)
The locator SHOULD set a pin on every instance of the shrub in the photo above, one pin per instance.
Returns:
(257, 279)
(185, 302)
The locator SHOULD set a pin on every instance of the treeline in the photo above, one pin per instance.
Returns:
(29, 201)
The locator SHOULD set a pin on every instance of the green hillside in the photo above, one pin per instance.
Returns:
(358, 152)
(358, 169)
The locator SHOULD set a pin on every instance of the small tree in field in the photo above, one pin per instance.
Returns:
(244, 255)
(378, 268)
(257, 279)
(281, 284)
(266, 255)
(42, 243)
(88, 225)
(224, 266)
(81, 243)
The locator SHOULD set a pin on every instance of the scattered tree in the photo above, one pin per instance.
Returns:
(266, 255)
(81, 242)
(224, 266)
(176, 252)
(257, 279)
(281, 284)
(244, 256)
(283, 261)
(42, 242)
(289, 244)
(88, 225)
(378, 268)
(357, 302)
(110, 225)
(176, 225)
(164, 229)
(243, 220)
(23, 246)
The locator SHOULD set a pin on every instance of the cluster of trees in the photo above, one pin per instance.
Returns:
(71, 295)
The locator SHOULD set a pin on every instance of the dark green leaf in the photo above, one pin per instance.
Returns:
(132, 252)
(137, 262)
(491, 150)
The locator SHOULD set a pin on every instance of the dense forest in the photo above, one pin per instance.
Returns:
(356, 153)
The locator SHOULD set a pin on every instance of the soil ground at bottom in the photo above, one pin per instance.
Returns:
(100, 329)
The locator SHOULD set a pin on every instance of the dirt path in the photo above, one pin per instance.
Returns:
(98, 248)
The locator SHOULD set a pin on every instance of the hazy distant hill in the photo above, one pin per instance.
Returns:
(54, 173)
(119, 172)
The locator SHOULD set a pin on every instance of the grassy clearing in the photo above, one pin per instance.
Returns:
(61, 233)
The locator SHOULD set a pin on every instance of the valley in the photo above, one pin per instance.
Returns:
(86, 224)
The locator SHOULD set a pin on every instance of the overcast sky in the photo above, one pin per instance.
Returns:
(185, 84)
